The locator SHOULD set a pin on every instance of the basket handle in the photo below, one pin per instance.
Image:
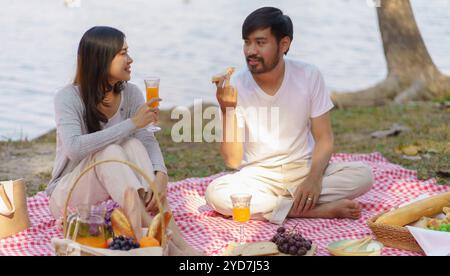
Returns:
(135, 168)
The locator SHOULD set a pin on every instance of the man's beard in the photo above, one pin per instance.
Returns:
(263, 66)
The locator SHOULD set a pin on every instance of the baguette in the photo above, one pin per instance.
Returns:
(121, 225)
(413, 212)
(155, 229)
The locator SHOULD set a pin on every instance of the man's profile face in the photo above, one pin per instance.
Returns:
(262, 51)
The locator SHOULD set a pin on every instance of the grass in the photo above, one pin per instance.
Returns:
(185, 160)
(49, 138)
(430, 131)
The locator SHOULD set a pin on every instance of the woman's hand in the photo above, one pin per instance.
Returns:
(146, 115)
(161, 180)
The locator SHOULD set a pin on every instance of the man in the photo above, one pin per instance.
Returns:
(286, 170)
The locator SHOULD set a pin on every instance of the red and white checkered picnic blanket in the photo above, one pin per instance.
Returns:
(209, 232)
(35, 241)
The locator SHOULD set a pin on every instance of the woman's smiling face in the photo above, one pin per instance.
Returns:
(121, 66)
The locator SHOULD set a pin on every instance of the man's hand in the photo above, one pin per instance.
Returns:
(161, 180)
(226, 96)
(231, 147)
(307, 195)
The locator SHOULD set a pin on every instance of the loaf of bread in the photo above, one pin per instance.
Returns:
(121, 226)
(447, 210)
(226, 76)
(260, 249)
(413, 212)
(155, 229)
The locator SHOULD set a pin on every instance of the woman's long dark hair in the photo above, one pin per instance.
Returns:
(96, 51)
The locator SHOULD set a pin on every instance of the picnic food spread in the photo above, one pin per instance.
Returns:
(414, 212)
(284, 243)
(149, 242)
(403, 228)
(436, 224)
(260, 249)
(124, 237)
(120, 224)
(120, 234)
(361, 247)
(291, 242)
(155, 229)
(123, 243)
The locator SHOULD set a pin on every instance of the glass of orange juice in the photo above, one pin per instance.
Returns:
(152, 92)
(241, 211)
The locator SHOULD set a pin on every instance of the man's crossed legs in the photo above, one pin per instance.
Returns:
(272, 190)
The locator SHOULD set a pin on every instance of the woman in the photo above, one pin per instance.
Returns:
(101, 116)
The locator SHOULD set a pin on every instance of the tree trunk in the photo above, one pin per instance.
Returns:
(412, 75)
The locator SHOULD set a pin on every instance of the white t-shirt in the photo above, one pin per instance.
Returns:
(278, 128)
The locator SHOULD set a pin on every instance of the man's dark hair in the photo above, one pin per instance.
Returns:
(268, 17)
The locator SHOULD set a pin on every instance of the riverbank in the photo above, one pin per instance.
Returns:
(429, 136)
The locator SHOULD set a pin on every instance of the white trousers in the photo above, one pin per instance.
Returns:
(272, 188)
(108, 181)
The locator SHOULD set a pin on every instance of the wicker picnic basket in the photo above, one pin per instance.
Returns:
(67, 246)
(394, 236)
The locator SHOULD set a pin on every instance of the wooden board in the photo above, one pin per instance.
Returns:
(234, 249)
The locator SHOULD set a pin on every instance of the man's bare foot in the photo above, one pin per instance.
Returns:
(344, 208)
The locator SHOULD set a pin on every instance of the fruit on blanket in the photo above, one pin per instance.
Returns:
(121, 225)
(445, 227)
(281, 230)
(155, 229)
(291, 242)
(413, 212)
(123, 244)
(149, 242)
(438, 224)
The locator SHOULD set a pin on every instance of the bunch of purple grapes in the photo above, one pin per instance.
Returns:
(291, 242)
(123, 244)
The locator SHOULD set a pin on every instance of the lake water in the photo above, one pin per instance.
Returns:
(186, 42)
